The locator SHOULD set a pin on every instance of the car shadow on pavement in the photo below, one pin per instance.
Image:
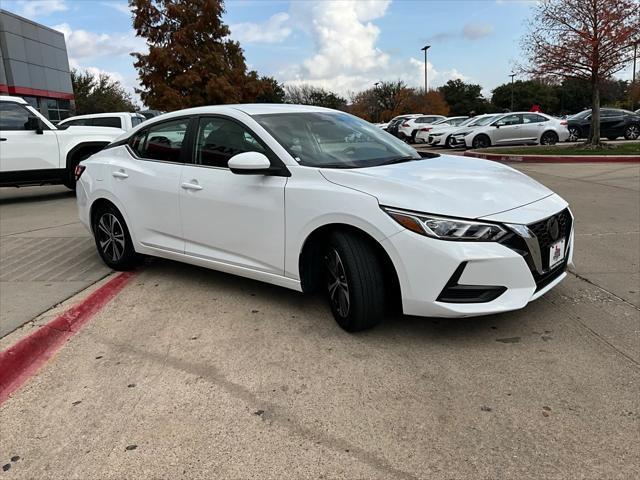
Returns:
(16, 196)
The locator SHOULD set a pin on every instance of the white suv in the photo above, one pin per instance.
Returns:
(518, 128)
(34, 152)
(310, 198)
(428, 134)
(408, 129)
(123, 120)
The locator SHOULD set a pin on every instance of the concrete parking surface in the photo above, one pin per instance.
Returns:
(46, 255)
(191, 373)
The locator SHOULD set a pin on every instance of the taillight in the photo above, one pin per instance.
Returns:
(426, 129)
(564, 122)
(78, 171)
(405, 124)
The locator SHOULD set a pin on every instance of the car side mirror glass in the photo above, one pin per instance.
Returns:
(35, 124)
(250, 163)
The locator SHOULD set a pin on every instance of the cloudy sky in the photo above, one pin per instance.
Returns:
(341, 45)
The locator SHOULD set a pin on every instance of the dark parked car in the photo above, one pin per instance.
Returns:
(395, 123)
(614, 123)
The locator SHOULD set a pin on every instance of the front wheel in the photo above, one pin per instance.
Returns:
(481, 141)
(355, 282)
(632, 132)
(549, 138)
(113, 240)
(574, 134)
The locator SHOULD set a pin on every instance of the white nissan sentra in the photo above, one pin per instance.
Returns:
(310, 198)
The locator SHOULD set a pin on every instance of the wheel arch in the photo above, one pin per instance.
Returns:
(105, 198)
(310, 259)
(81, 149)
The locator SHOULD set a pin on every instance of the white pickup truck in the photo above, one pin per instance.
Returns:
(34, 152)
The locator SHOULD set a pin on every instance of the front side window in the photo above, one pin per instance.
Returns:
(335, 140)
(13, 116)
(509, 120)
(162, 141)
(115, 122)
(220, 139)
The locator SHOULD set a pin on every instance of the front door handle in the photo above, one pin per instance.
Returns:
(120, 174)
(3, 139)
(191, 186)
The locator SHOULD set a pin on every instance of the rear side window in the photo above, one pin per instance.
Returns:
(533, 118)
(106, 122)
(161, 141)
(135, 121)
(71, 123)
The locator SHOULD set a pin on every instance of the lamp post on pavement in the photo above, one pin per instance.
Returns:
(426, 82)
(375, 87)
(633, 83)
(512, 75)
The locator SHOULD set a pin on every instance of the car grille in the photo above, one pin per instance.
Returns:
(541, 231)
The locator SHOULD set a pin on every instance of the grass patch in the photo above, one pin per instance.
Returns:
(631, 148)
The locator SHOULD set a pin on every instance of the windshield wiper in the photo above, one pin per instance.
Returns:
(408, 158)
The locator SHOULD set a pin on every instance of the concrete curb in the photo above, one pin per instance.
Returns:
(555, 159)
(21, 361)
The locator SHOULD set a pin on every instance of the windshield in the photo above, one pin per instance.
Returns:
(443, 120)
(480, 121)
(335, 140)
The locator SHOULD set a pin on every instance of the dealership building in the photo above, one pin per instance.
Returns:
(34, 65)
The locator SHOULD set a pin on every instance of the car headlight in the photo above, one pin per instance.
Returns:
(445, 228)
(463, 134)
(436, 134)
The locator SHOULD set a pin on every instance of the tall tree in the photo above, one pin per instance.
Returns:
(99, 94)
(306, 94)
(526, 93)
(587, 39)
(191, 60)
(464, 98)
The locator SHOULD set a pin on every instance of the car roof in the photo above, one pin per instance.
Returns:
(101, 115)
(9, 98)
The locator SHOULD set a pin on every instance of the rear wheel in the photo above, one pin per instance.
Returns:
(355, 282)
(481, 141)
(632, 132)
(549, 138)
(113, 240)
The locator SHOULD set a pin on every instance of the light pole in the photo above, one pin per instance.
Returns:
(426, 82)
(512, 75)
(633, 83)
(375, 87)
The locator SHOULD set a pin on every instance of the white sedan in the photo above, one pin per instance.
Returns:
(309, 198)
(518, 128)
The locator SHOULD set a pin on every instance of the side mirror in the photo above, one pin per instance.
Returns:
(250, 163)
(34, 123)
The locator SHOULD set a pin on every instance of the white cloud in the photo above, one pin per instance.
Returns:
(347, 57)
(82, 44)
(274, 30)
(121, 7)
(40, 8)
(474, 31)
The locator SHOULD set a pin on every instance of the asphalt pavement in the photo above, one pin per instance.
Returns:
(191, 373)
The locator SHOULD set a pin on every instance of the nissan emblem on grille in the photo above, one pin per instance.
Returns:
(553, 228)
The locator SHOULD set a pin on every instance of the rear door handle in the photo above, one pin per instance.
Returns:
(3, 139)
(191, 186)
(120, 174)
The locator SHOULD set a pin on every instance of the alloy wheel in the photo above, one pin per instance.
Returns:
(110, 235)
(548, 139)
(574, 134)
(632, 133)
(337, 284)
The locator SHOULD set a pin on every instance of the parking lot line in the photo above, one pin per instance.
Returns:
(22, 360)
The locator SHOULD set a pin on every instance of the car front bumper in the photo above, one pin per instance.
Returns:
(430, 270)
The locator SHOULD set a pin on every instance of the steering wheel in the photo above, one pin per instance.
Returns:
(349, 150)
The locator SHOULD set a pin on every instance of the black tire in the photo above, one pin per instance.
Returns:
(447, 142)
(113, 240)
(413, 136)
(632, 132)
(481, 141)
(354, 282)
(549, 138)
(574, 134)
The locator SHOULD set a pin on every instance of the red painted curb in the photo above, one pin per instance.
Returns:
(21, 361)
(556, 159)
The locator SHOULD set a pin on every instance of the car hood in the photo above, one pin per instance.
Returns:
(447, 185)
